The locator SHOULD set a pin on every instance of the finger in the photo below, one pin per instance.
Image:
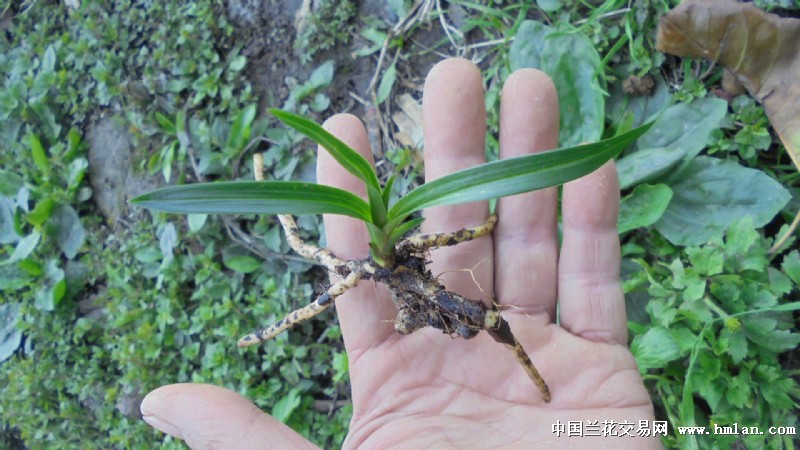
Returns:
(525, 244)
(210, 417)
(591, 302)
(365, 312)
(454, 119)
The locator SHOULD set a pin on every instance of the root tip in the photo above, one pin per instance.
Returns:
(247, 341)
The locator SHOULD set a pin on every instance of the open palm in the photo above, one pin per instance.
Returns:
(428, 390)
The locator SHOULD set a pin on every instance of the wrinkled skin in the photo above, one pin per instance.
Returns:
(427, 390)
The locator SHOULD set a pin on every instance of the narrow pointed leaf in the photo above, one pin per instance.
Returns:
(341, 152)
(377, 208)
(256, 197)
(401, 230)
(387, 190)
(514, 175)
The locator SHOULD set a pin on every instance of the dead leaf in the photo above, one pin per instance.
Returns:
(761, 50)
(408, 121)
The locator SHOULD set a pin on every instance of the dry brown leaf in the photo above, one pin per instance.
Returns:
(408, 121)
(762, 50)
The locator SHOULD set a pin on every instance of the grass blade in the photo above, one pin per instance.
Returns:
(256, 197)
(514, 175)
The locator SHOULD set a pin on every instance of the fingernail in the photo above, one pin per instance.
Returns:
(161, 425)
(150, 406)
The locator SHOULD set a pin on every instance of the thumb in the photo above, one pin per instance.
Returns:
(207, 417)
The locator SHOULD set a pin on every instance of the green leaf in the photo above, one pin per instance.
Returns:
(711, 194)
(401, 230)
(284, 407)
(528, 51)
(644, 206)
(8, 231)
(679, 133)
(10, 183)
(572, 61)
(53, 289)
(256, 197)
(341, 152)
(76, 171)
(707, 260)
(686, 126)
(655, 348)
(242, 263)
(622, 107)
(196, 221)
(514, 175)
(386, 84)
(39, 154)
(762, 331)
(240, 129)
(549, 5)
(167, 241)
(404, 228)
(791, 266)
(10, 335)
(737, 344)
(647, 165)
(167, 125)
(238, 63)
(42, 212)
(387, 190)
(65, 227)
(49, 60)
(376, 206)
(322, 75)
(24, 248)
(377, 239)
(737, 392)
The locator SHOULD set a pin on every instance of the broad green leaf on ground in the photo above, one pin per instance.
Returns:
(644, 206)
(654, 349)
(341, 152)
(65, 227)
(640, 109)
(10, 335)
(711, 194)
(53, 289)
(647, 165)
(514, 175)
(8, 232)
(686, 126)
(242, 264)
(679, 133)
(256, 197)
(572, 61)
(239, 260)
(24, 248)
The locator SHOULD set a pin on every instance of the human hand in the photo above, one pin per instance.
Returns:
(427, 390)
